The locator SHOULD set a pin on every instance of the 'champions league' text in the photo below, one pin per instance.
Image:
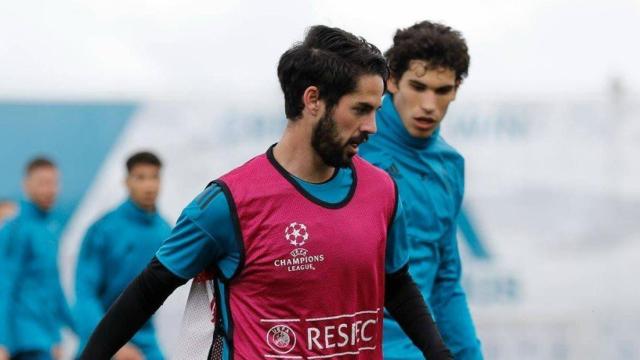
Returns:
(299, 263)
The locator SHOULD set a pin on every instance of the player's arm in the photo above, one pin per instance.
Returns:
(65, 319)
(449, 303)
(403, 299)
(13, 245)
(88, 309)
(190, 249)
(4, 296)
(448, 299)
(133, 308)
(404, 302)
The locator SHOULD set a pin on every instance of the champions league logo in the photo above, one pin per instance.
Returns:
(299, 252)
(281, 339)
(296, 234)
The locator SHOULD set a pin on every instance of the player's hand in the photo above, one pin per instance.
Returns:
(4, 354)
(56, 352)
(129, 352)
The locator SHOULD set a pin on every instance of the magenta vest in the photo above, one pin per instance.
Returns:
(311, 282)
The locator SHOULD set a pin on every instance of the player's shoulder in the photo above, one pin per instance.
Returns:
(367, 165)
(377, 154)
(250, 167)
(442, 145)
(113, 220)
(17, 231)
(22, 224)
(162, 220)
(381, 175)
(207, 203)
(448, 152)
(11, 225)
(110, 218)
(451, 164)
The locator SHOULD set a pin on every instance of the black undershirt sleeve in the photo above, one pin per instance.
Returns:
(404, 302)
(133, 308)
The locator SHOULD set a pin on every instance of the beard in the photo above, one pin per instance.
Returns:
(325, 140)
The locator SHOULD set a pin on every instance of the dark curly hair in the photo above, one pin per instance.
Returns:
(142, 157)
(330, 59)
(437, 44)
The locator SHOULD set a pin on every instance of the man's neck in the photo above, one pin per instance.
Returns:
(296, 155)
(145, 208)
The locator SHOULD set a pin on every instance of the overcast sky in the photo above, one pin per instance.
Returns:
(192, 49)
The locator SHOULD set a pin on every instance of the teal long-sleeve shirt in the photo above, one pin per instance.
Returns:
(115, 249)
(33, 308)
(430, 178)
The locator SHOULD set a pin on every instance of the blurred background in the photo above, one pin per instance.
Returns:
(548, 121)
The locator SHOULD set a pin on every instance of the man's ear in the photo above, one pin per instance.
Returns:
(392, 84)
(455, 90)
(311, 100)
(127, 182)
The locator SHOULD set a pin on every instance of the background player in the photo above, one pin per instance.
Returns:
(33, 308)
(115, 249)
(428, 62)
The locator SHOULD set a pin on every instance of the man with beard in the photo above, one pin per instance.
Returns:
(33, 308)
(427, 62)
(304, 241)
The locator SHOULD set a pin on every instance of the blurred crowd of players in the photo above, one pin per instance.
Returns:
(114, 250)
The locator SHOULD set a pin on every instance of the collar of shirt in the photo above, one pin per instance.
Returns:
(136, 213)
(31, 210)
(390, 126)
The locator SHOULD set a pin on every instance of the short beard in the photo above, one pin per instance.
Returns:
(325, 140)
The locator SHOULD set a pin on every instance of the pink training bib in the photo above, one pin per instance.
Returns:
(311, 284)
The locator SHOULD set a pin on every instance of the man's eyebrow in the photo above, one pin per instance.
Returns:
(416, 82)
(363, 104)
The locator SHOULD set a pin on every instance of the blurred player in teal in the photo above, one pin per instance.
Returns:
(116, 249)
(428, 62)
(33, 308)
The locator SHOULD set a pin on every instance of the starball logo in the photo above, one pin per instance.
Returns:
(297, 235)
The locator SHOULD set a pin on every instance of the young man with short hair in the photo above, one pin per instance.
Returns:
(303, 240)
(33, 308)
(115, 249)
(428, 61)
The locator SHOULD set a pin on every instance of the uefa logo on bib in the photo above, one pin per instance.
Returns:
(296, 234)
(281, 339)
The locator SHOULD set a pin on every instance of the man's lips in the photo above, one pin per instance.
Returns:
(425, 123)
(355, 142)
